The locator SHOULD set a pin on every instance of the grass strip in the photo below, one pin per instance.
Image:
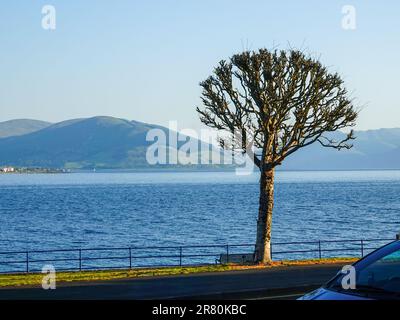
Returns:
(35, 279)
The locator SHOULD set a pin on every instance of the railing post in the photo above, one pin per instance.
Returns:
(319, 249)
(362, 248)
(130, 258)
(227, 254)
(80, 259)
(180, 256)
(27, 262)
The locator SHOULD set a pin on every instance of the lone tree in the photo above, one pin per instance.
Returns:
(279, 102)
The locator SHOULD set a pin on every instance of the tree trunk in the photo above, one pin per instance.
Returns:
(264, 222)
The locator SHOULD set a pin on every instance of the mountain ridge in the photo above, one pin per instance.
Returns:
(108, 142)
(18, 127)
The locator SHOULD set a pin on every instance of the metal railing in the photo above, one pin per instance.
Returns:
(81, 259)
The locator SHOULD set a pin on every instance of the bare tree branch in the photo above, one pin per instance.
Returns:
(281, 101)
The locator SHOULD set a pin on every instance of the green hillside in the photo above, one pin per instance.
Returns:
(112, 143)
(101, 142)
(20, 127)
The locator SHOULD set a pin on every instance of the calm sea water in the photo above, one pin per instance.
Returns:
(174, 208)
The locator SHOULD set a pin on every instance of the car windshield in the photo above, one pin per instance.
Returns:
(376, 276)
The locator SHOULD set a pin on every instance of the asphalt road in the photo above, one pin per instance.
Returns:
(275, 283)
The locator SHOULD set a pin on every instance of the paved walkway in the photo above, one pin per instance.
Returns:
(280, 282)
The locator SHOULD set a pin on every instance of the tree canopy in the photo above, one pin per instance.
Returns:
(279, 101)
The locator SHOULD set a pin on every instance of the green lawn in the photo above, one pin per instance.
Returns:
(35, 279)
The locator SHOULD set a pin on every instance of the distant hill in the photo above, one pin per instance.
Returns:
(372, 149)
(106, 142)
(98, 142)
(20, 127)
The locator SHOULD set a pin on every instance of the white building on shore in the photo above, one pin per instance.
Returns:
(7, 169)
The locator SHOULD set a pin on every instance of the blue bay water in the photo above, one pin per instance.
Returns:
(111, 209)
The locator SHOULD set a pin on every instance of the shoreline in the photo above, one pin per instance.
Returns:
(35, 171)
(171, 170)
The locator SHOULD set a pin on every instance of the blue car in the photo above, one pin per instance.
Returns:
(377, 277)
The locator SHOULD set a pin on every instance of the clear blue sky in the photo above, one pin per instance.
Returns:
(143, 60)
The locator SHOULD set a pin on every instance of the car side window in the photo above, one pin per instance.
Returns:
(381, 271)
(393, 257)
